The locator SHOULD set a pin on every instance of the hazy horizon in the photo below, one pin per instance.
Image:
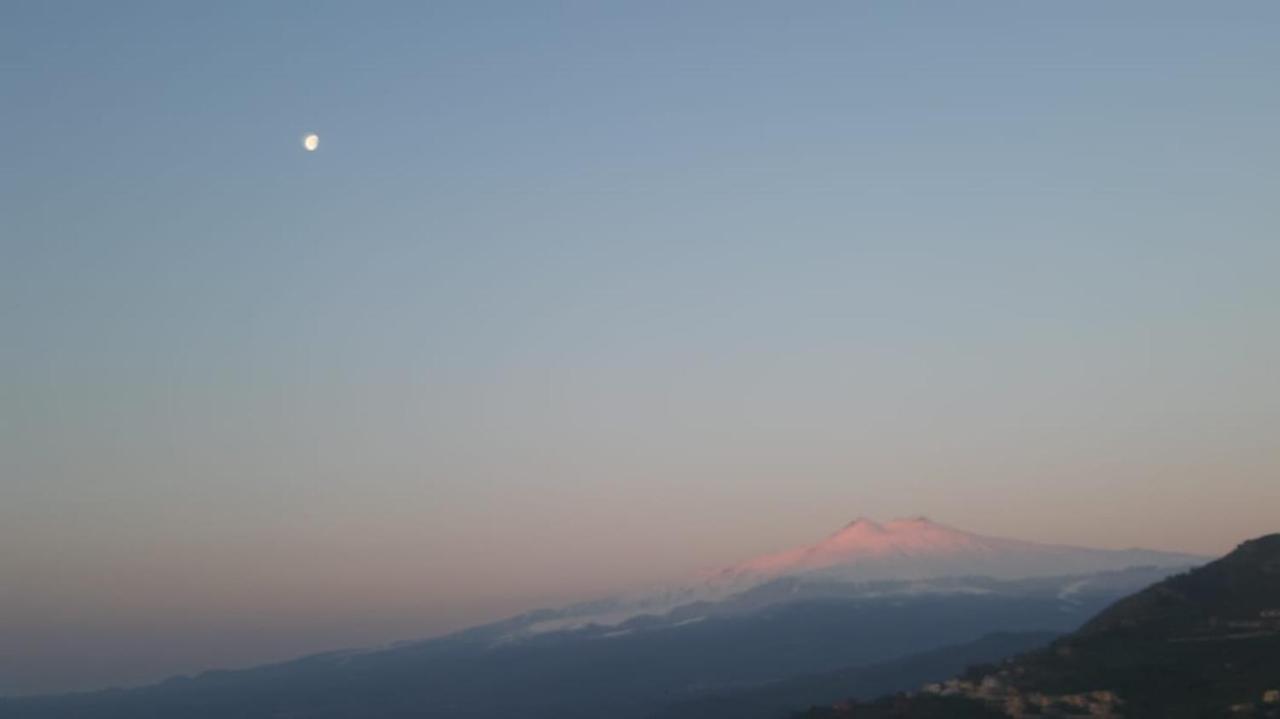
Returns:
(571, 299)
(239, 644)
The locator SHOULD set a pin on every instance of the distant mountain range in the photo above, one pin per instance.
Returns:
(874, 603)
(1201, 644)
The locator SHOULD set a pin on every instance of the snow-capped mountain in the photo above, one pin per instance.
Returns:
(917, 548)
(867, 558)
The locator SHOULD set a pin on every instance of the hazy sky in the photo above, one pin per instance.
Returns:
(578, 296)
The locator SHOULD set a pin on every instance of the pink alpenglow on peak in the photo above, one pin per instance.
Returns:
(864, 539)
(918, 548)
(919, 554)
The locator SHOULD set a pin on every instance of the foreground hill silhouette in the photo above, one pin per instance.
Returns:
(1201, 644)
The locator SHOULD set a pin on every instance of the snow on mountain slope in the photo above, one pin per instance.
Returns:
(865, 558)
(918, 548)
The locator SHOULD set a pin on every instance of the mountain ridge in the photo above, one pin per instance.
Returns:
(864, 544)
(864, 550)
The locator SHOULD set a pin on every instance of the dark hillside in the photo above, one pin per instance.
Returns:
(1201, 644)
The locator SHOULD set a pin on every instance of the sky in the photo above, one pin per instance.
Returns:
(579, 296)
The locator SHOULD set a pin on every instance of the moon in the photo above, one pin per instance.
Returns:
(310, 142)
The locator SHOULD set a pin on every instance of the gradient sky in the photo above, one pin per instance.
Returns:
(579, 296)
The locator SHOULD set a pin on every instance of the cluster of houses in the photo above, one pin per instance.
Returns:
(1268, 707)
(1266, 621)
(1101, 704)
(993, 691)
